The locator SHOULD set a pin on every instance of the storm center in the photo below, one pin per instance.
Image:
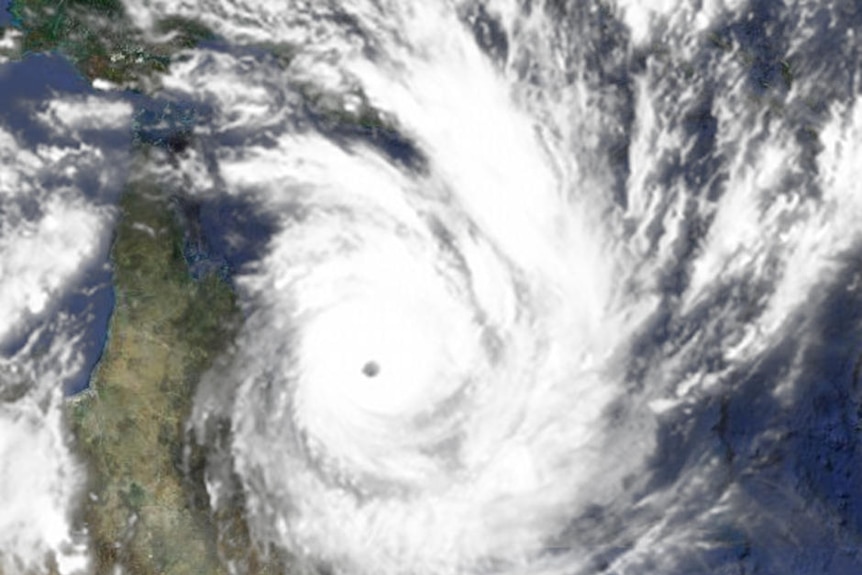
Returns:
(371, 369)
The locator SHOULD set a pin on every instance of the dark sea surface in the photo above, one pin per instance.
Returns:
(5, 16)
(28, 85)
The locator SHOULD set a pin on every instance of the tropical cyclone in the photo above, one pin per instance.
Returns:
(475, 285)
(532, 268)
(477, 405)
(509, 324)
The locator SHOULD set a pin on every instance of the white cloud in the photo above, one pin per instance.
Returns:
(528, 299)
(653, 19)
(40, 480)
(39, 259)
(72, 116)
(9, 42)
(43, 252)
(52, 230)
(357, 273)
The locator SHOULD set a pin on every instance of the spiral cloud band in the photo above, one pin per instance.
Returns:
(424, 391)
(424, 354)
(527, 272)
(527, 286)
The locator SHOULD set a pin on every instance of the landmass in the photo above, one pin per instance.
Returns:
(147, 508)
(101, 41)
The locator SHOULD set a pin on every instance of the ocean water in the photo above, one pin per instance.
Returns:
(28, 87)
(529, 287)
(5, 16)
(62, 161)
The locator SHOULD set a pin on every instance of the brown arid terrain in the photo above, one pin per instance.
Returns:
(146, 510)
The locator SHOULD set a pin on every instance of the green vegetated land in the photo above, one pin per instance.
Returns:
(146, 513)
(100, 39)
(146, 509)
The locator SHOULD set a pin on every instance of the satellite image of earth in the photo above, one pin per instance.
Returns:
(431, 287)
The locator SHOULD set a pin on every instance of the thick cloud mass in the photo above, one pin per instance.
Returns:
(60, 174)
(601, 259)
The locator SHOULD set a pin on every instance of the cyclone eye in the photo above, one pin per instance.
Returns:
(370, 369)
